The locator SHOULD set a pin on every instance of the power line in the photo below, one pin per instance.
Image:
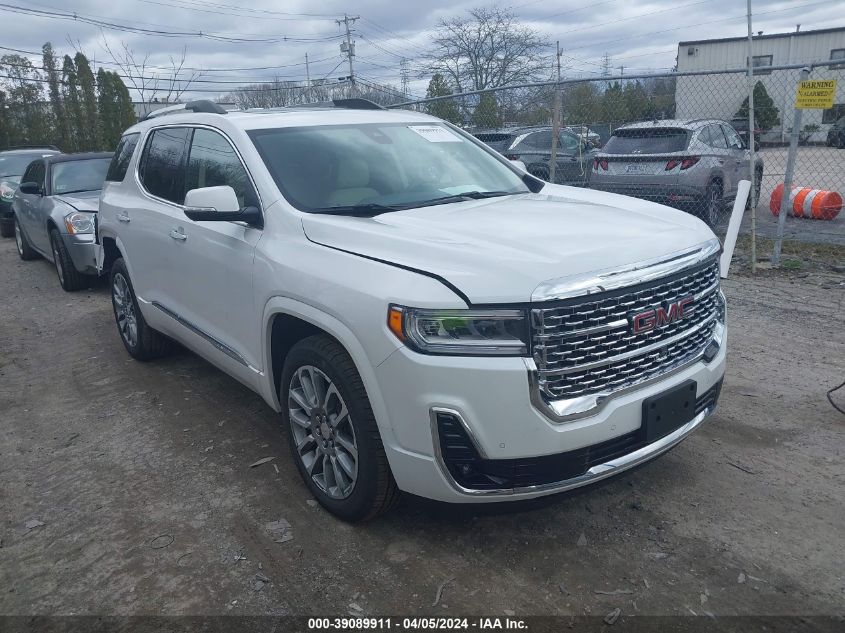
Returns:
(75, 17)
(247, 13)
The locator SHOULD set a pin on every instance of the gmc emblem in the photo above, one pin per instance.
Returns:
(661, 315)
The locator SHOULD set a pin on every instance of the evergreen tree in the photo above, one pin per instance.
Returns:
(614, 108)
(59, 120)
(106, 106)
(766, 113)
(125, 111)
(581, 103)
(446, 109)
(486, 113)
(88, 102)
(72, 106)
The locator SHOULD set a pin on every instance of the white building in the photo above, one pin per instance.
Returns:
(721, 95)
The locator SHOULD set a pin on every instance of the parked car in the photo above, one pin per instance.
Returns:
(54, 212)
(423, 315)
(13, 162)
(533, 147)
(591, 138)
(836, 134)
(694, 165)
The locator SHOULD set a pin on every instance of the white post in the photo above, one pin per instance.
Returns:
(742, 194)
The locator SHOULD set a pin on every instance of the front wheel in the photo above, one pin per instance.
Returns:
(69, 278)
(332, 431)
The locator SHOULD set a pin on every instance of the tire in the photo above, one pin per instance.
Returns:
(711, 209)
(69, 278)
(7, 228)
(25, 251)
(841, 143)
(140, 340)
(355, 484)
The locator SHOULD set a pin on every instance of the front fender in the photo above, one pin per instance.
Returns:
(345, 336)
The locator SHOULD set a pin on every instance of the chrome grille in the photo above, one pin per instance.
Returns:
(585, 345)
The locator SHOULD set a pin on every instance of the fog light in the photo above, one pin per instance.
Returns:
(710, 351)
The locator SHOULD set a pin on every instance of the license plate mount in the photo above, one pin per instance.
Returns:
(637, 169)
(669, 410)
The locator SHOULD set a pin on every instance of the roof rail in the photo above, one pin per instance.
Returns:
(356, 104)
(200, 105)
(50, 147)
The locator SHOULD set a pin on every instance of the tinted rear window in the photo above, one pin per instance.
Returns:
(122, 156)
(647, 141)
(496, 140)
(162, 167)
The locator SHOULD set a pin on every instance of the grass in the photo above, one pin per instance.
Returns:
(795, 255)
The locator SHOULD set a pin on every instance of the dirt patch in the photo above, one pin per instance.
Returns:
(125, 488)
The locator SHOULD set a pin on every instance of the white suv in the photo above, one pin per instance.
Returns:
(425, 316)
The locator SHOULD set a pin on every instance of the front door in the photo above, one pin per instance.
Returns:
(28, 208)
(213, 261)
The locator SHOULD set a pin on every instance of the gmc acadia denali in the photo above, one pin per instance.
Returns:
(424, 315)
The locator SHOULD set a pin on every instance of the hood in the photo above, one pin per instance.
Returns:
(500, 249)
(81, 200)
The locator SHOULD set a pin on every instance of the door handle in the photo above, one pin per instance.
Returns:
(122, 218)
(177, 234)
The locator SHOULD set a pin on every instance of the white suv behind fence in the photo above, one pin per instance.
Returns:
(423, 315)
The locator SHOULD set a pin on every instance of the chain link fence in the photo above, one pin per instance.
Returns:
(681, 139)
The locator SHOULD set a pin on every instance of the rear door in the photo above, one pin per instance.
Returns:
(149, 218)
(740, 156)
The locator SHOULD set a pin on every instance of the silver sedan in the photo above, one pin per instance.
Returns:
(55, 210)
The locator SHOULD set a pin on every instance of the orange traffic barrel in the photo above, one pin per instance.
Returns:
(808, 203)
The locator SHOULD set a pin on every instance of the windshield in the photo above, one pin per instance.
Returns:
(647, 141)
(79, 175)
(16, 164)
(385, 167)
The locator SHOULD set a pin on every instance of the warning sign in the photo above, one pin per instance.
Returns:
(815, 94)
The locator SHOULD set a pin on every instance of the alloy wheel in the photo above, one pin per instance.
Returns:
(124, 310)
(323, 433)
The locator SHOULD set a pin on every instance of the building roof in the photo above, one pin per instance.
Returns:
(768, 36)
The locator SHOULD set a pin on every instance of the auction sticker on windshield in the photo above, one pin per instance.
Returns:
(435, 133)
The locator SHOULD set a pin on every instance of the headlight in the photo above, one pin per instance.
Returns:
(6, 192)
(79, 223)
(461, 332)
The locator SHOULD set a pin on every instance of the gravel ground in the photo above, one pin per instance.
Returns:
(125, 488)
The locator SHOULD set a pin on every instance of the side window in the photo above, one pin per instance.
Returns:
(734, 142)
(569, 143)
(122, 157)
(162, 166)
(213, 163)
(34, 173)
(717, 137)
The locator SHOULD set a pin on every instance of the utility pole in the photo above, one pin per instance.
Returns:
(404, 73)
(307, 78)
(555, 120)
(348, 46)
(751, 148)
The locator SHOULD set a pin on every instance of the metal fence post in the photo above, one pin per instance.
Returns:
(751, 142)
(786, 197)
(555, 122)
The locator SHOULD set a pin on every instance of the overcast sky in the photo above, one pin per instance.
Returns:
(640, 35)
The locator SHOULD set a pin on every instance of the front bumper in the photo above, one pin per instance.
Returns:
(492, 398)
(83, 252)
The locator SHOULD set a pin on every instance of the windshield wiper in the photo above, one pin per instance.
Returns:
(360, 210)
(466, 195)
(64, 193)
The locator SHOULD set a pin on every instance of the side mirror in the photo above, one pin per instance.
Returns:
(31, 188)
(219, 204)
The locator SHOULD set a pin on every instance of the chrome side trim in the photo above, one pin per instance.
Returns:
(193, 328)
(456, 414)
(631, 275)
(570, 409)
(596, 473)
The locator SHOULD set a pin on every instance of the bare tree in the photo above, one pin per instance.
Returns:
(486, 49)
(144, 78)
